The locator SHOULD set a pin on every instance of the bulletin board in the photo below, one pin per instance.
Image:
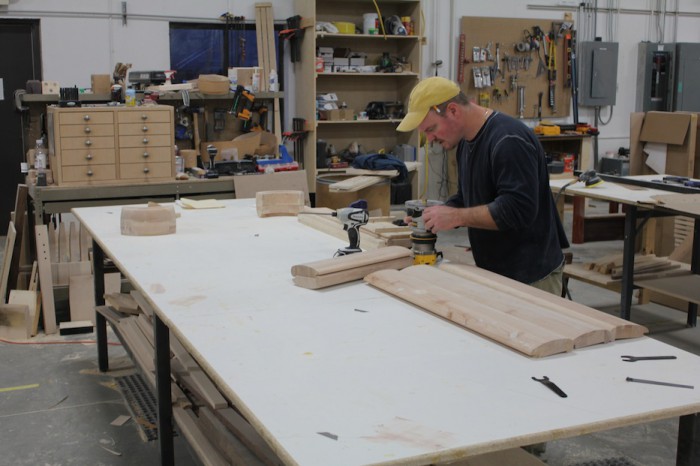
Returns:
(510, 40)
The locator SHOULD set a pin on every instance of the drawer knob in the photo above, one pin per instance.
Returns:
(89, 156)
(144, 129)
(145, 155)
(89, 173)
(86, 117)
(88, 142)
(145, 140)
(88, 130)
(144, 116)
(146, 170)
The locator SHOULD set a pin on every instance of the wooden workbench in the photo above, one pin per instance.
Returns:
(350, 375)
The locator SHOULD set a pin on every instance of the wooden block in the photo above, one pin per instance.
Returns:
(15, 323)
(113, 282)
(31, 299)
(276, 203)
(78, 326)
(81, 298)
(152, 220)
(6, 261)
(45, 279)
(342, 269)
(123, 302)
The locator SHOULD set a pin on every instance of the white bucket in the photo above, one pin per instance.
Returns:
(369, 23)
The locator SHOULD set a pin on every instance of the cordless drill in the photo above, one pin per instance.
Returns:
(352, 218)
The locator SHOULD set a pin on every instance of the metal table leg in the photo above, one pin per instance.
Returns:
(628, 262)
(165, 407)
(98, 265)
(688, 451)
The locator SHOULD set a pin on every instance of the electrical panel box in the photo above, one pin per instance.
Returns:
(598, 73)
(655, 72)
(686, 98)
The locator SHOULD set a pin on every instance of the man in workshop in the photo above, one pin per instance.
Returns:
(503, 197)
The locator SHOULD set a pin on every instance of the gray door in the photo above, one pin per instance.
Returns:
(687, 97)
(20, 61)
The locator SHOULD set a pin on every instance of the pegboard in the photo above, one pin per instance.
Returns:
(508, 40)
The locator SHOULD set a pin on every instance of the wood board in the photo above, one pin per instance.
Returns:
(623, 328)
(536, 328)
(479, 32)
(31, 299)
(343, 269)
(15, 322)
(45, 279)
(19, 223)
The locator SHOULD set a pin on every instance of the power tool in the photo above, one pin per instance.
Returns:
(352, 218)
(423, 248)
(242, 103)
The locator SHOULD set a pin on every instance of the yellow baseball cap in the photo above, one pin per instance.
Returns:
(427, 94)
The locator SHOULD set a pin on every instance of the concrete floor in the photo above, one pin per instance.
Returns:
(62, 414)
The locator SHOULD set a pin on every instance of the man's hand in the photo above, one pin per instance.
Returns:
(441, 217)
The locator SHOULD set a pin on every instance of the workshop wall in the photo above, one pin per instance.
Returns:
(634, 24)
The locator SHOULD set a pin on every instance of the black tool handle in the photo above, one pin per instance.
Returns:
(354, 237)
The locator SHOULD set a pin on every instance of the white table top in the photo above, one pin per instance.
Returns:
(395, 384)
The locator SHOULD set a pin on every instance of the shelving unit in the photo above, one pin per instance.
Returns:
(355, 89)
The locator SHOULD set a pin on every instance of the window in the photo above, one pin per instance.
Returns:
(212, 48)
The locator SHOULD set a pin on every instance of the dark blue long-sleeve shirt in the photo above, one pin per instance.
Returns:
(504, 168)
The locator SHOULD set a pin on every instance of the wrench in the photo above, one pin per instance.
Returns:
(551, 385)
(644, 358)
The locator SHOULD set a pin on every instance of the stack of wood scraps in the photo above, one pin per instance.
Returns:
(520, 317)
(203, 415)
(645, 265)
(343, 269)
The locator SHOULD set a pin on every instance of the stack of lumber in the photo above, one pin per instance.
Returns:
(378, 233)
(645, 265)
(343, 269)
(521, 317)
(216, 431)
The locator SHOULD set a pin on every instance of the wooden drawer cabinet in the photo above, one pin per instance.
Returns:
(111, 144)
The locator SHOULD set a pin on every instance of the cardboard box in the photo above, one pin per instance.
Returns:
(100, 83)
(213, 84)
(243, 76)
(338, 114)
(245, 144)
(677, 131)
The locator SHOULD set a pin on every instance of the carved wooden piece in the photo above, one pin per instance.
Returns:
(342, 269)
(514, 332)
(620, 328)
